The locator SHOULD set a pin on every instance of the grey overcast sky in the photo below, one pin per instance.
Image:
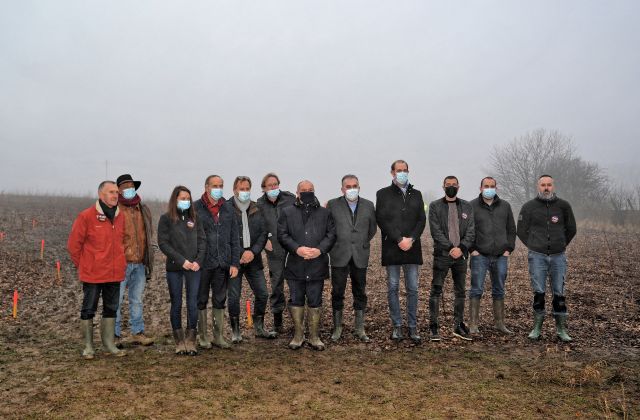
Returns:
(172, 91)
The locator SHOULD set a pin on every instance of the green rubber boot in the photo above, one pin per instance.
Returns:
(337, 325)
(538, 319)
(86, 327)
(258, 327)
(498, 316)
(561, 328)
(474, 315)
(203, 339)
(297, 315)
(314, 329)
(359, 327)
(108, 333)
(218, 328)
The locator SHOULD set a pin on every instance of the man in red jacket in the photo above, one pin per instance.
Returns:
(96, 248)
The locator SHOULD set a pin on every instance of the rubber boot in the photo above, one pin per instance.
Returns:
(498, 316)
(86, 326)
(314, 329)
(297, 315)
(561, 328)
(414, 336)
(107, 334)
(218, 329)
(474, 315)
(277, 323)
(178, 337)
(337, 325)
(359, 327)
(236, 335)
(190, 342)
(203, 339)
(538, 319)
(258, 327)
(396, 333)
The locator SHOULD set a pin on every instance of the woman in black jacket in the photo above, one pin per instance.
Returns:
(181, 238)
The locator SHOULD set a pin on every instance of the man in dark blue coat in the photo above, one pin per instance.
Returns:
(307, 232)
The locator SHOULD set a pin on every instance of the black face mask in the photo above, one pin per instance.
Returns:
(451, 191)
(307, 197)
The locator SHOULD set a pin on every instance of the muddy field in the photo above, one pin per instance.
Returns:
(43, 375)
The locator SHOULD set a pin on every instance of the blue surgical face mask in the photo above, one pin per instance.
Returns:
(489, 193)
(184, 204)
(402, 178)
(273, 193)
(244, 196)
(216, 193)
(129, 193)
(352, 194)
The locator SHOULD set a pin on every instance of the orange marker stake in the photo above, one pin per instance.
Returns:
(42, 250)
(1, 236)
(58, 272)
(15, 303)
(34, 222)
(249, 317)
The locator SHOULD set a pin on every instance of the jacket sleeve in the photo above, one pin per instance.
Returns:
(164, 241)
(416, 233)
(440, 240)
(511, 230)
(469, 237)
(202, 243)
(76, 239)
(329, 239)
(570, 228)
(384, 218)
(373, 227)
(236, 248)
(284, 237)
(261, 239)
(523, 224)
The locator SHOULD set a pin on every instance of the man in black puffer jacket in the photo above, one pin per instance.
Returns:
(307, 232)
(253, 237)
(546, 226)
(222, 258)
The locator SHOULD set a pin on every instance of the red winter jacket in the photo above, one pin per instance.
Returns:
(96, 246)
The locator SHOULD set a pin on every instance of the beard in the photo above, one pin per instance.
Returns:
(546, 195)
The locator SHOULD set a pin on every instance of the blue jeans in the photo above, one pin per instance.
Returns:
(134, 279)
(541, 268)
(411, 287)
(257, 282)
(192, 284)
(497, 268)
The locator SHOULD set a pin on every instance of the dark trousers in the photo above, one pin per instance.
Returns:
(92, 291)
(441, 266)
(358, 286)
(303, 291)
(216, 280)
(276, 276)
(191, 281)
(258, 284)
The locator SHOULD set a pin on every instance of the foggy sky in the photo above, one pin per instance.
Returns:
(174, 91)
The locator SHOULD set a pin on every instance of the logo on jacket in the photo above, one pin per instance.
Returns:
(101, 217)
(555, 219)
(190, 224)
(464, 216)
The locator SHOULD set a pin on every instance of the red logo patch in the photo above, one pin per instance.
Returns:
(101, 217)
(555, 219)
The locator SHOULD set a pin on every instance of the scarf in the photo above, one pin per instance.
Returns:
(110, 212)
(129, 203)
(214, 209)
(246, 235)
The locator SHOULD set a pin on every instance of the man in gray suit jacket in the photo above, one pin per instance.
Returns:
(355, 220)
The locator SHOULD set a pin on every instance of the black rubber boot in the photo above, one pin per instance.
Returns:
(236, 335)
(258, 327)
(359, 327)
(337, 325)
(277, 322)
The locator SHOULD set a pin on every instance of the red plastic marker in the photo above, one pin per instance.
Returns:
(15, 303)
(58, 271)
(42, 250)
(249, 317)
(1, 236)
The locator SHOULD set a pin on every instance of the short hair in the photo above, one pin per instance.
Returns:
(393, 165)
(240, 179)
(544, 176)
(349, 176)
(206, 181)
(303, 181)
(450, 177)
(488, 177)
(267, 176)
(104, 184)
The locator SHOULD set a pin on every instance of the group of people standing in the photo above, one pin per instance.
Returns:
(212, 243)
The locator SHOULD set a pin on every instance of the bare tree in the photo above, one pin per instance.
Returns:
(519, 164)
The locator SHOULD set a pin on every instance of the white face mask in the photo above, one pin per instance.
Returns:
(244, 196)
(352, 194)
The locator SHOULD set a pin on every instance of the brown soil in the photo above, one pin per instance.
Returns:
(42, 374)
